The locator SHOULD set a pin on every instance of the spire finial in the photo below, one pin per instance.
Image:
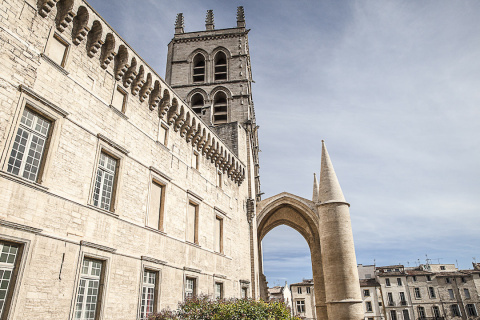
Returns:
(315, 188)
(329, 187)
(240, 17)
(209, 24)
(179, 24)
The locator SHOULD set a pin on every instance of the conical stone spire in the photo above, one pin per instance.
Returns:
(329, 188)
(179, 24)
(315, 188)
(209, 24)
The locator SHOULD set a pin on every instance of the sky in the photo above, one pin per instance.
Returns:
(392, 86)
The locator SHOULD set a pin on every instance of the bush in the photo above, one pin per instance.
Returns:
(202, 308)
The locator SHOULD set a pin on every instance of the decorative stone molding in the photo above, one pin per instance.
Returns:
(19, 226)
(112, 144)
(38, 97)
(161, 174)
(193, 194)
(149, 259)
(96, 246)
(192, 270)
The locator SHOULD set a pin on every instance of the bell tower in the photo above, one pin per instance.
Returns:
(211, 71)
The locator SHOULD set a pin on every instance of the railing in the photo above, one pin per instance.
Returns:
(391, 303)
(403, 303)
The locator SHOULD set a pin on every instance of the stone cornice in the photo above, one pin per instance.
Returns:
(97, 246)
(19, 226)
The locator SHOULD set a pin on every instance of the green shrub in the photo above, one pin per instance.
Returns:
(202, 308)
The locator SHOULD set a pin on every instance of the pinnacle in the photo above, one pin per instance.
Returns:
(329, 188)
(315, 188)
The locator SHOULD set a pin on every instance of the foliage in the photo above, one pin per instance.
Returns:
(202, 308)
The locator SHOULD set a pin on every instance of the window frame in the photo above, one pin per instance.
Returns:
(221, 232)
(194, 289)
(124, 92)
(387, 282)
(421, 312)
(405, 314)
(156, 289)
(30, 100)
(469, 307)
(436, 312)
(366, 292)
(55, 36)
(154, 179)
(214, 60)
(399, 282)
(299, 290)
(191, 202)
(222, 292)
(455, 309)
(165, 126)
(195, 160)
(417, 293)
(431, 292)
(300, 304)
(308, 290)
(466, 293)
(368, 306)
(195, 55)
(115, 185)
(215, 104)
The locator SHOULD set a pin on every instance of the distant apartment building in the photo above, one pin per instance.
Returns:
(372, 299)
(303, 300)
(281, 293)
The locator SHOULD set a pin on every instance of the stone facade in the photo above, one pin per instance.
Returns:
(303, 299)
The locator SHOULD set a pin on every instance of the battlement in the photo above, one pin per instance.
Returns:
(134, 74)
(210, 23)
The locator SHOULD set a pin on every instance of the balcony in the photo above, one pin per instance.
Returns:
(403, 303)
(391, 304)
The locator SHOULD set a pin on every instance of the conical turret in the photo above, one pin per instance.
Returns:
(315, 188)
(329, 188)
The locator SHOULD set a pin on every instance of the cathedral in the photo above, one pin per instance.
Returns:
(125, 192)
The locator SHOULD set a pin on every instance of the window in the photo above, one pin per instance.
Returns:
(467, 293)
(88, 293)
(218, 290)
(403, 302)
(119, 99)
(414, 278)
(163, 134)
(390, 299)
(103, 193)
(447, 280)
(220, 108)
(421, 313)
(308, 290)
(399, 281)
(199, 68)
(195, 160)
(442, 268)
(190, 288)
(299, 290)
(300, 306)
(148, 305)
(366, 293)
(417, 293)
(368, 276)
(436, 311)
(368, 306)
(218, 235)
(455, 310)
(393, 314)
(8, 262)
(463, 280)
(155, 212)
(450, 293)
(57, 50)
(192, 223)
(28, 151)
(406, 315)
(244, 292)
(220, 66)
(197, 103)
(471, 310)
(431, 290)
(429, 278)
(387, 282)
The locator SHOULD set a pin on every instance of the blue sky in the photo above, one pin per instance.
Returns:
(392, 86)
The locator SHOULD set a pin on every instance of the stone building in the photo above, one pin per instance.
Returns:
(372, 299)
(303, 299)
(281, 293)
(124, 193)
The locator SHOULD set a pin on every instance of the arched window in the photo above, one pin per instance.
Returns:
(220, 108)
(220, 66)
(197, 103)
(199, 68)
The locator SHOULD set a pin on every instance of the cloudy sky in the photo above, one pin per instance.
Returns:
(394, 89)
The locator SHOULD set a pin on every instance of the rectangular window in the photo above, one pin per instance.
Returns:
(368, 306)
(244, 292)
(450, 293)
(57, 50)
(421, 312)
(368, 276)
(399, 281)
(88, 290)
(119, 100)
(455, 310)
(219, 179)
(406, 315)
(436, 311)
(105, 182)
(28, 149)
(308, 290)
(431, 290)
(218, 235)
(299, 290)
(300, 306)
(467, 293)
(403, 302)
(429, 278)
(463, 280)
(190, 288)
(218, 290)
(148, 294)
(155, 216)
(447, 280)
(163, 134)
(390, 299)
(366, 293)
(417, 293)
(393, 314)
(192, 223)
(471, 310)
(414, 278)
(8, 261)
(387, 282)
(442, 268)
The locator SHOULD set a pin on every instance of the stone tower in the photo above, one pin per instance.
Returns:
(211, 71)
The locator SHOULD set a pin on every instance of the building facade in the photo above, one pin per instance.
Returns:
(303, 299)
